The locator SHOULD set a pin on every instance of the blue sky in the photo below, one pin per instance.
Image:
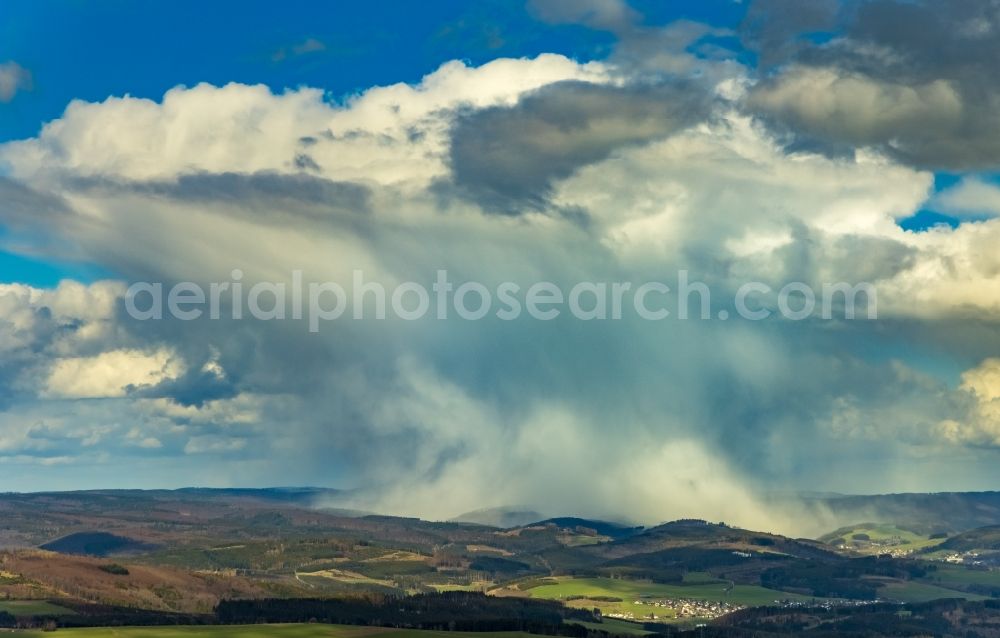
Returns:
(44, 272)
(92, 50)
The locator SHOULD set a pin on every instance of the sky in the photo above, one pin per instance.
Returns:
(557, 141)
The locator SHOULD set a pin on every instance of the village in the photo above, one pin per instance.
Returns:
(973, 558)
(707, 609)
(680, 608)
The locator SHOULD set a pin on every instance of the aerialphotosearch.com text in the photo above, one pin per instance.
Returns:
(319, 302)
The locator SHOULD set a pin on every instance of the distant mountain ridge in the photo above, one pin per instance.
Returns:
(506, 517)
(926, 513)
(982, 538)
(951, 512)
(603, 528)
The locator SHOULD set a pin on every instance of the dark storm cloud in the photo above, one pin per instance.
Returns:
(21, 204)
(605, 15)
(305, 162)
(507, 157)
(21, 357)
(194, 388)
(263, 186)
(31, 338)
(915, 79)
(775, 28)
(253, 358)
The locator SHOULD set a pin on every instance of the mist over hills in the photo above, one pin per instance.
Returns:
(950, 512)
(926, 513)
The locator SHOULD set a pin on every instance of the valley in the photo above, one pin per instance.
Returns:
(173, 557)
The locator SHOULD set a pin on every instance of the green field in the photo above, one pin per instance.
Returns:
(456, 587)
(959, 576)
(613, 625)
(33, 608)
(945, 581)
(915, 592)
(580, 592)
(882, 538)
(634, 589)
(700, 578)
(266, 631)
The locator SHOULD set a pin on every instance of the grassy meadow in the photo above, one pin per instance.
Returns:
(878, 538)
(959, 576)
(33, 608)
(588, 592)
(264, 631)
(918, 592)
